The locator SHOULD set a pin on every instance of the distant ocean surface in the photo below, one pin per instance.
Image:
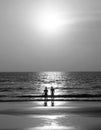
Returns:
(24, 86)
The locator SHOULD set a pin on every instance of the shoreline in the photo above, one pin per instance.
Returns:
(36, 100)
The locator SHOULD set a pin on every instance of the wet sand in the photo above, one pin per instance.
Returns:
(61, 116)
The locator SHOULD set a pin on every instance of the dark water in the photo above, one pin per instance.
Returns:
(21, 85)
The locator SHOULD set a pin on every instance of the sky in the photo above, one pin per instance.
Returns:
(50, 35)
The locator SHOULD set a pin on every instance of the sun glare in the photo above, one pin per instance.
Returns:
(49, 21)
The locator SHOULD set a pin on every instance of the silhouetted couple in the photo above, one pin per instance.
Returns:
(46, 95)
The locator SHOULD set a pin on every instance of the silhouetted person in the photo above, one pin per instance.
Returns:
(52, 96)
(45, 95)
(52, 92)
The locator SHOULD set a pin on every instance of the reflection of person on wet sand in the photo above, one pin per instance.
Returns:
(52, 96)
(45, 95)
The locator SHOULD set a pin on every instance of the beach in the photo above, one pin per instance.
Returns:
(76, 104)
(62, 116)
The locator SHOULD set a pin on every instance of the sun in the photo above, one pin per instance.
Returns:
(49, 21)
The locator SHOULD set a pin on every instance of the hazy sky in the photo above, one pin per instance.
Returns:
(27, 45)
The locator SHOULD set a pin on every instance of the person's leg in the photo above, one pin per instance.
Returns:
(52, 101)
(45, 100)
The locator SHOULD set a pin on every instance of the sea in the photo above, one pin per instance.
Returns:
(27, 86)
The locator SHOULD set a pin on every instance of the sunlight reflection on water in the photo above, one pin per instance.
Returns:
(51, 79)
(56, 103)
(52, 122)
(52, 126)
(48, 117)
(52, 117)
